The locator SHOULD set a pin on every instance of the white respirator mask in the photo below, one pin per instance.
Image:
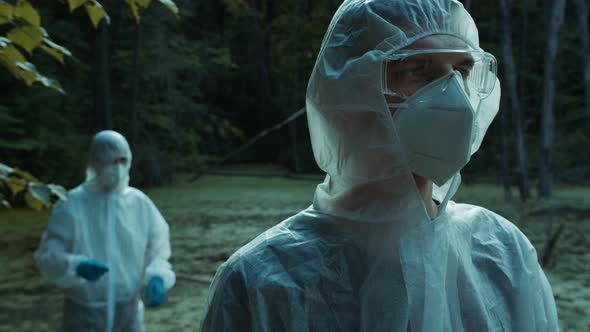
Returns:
(435, 126)
(111, 176)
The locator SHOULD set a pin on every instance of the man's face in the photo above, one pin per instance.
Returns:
(100, 165)
(120, 161)
(408, 75)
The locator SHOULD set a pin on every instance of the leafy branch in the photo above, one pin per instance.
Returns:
(18, 187)
(26, 34)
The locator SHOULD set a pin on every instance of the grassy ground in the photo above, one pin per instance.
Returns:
(213, 217)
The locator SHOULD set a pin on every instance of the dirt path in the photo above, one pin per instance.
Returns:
(212, 218)
(208, 221)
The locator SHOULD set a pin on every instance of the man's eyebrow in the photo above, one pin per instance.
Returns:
(417, 59)
(467, 62)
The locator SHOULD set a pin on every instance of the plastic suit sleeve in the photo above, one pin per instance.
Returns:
(227, 307)
(158, 249)
(546, 313)
(550, 309)
(53, 256)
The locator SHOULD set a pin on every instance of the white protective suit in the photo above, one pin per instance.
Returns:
(366, 256)
(121, 228)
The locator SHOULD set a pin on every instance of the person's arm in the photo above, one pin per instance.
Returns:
(547, 299)
(227, 307)
(545, 313)
(524, 299)
(531, 295)
(158, 249)
(53, 257)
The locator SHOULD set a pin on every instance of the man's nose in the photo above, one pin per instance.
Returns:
(442, 69)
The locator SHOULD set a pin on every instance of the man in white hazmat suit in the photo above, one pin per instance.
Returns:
(104, 242)
(399, 99)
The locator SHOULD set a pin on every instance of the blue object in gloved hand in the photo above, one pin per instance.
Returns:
(91, 269)
(155, 292)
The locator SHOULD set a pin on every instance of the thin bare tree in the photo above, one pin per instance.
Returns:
(262, 26)
(506, 174)
(135, 85)
(547, 130)
(523, 63)
(102, 79)
(510, 79)
(582, 10)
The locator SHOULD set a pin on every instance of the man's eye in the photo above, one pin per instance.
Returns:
(121, 161)
(464, 72)
(414, 71)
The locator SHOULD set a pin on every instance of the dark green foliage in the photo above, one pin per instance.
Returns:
(572, 128)
(229, 69)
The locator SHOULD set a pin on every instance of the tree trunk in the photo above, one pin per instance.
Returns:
(506, 172)
(523, 92)
(510, 80)
(262, 45)
(135, 87)
(547, 113)
(302, 8)
(102, 84)
(582, 10)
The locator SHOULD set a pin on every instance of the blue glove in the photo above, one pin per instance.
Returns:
(155, 292)
(91, 269)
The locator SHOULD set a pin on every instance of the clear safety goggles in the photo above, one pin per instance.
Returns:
(407, 71)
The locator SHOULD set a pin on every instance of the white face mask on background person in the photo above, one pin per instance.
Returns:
(111, 176)
(435, 127)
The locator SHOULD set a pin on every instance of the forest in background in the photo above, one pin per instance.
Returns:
(187, 90)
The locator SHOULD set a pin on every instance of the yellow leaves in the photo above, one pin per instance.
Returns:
(15, 62)
(39, 195)
(4, 41)
(73, 4)
(26, 12)
(134, 5)
(27, 33)
(23, 10)
(18, 186)
(15, 185)
(134, 10)
(10, 53)
(96, 13)
(9, 56)
(6, 13)
(28, 37)
(5, 171)
(27, 72)
(53, 49)
(170, 5)
(34, 202)
(50, 83)
(94, 9)
(24, 175)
